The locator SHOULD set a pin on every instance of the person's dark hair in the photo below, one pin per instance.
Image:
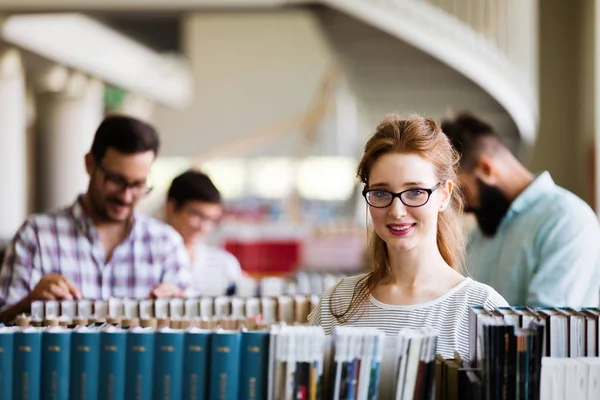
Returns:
(193, 186)
(470, 136)
(126, 135)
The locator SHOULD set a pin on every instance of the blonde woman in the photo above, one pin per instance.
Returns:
(416, 249)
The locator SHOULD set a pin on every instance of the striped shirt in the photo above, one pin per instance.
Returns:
(448, 314)
(66, 242)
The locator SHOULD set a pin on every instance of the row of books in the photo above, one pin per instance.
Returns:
(280, 363)
(286, 309)
(567, 332)
(303, 282)
(570, 378)
(520, 353)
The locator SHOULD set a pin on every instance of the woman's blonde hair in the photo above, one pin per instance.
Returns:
(423, 137)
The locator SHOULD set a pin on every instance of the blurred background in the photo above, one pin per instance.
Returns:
(274, 100)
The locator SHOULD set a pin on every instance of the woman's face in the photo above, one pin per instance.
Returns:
(402, 227)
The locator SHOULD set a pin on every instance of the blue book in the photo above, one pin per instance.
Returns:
(140, 362)
(6, 362)
(225, 365)
(195, 364)
(27, 353)
(56, 356)
(85, 368)
(254, 365)
(168, 364)
(111, 381)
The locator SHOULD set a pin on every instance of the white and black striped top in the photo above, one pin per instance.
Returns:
(448, 314)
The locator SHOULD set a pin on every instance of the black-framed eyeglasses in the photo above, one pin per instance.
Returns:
(115, 183)
(415, 197)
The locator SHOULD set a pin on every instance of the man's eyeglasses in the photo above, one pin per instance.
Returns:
(381, 198)
(115, 183)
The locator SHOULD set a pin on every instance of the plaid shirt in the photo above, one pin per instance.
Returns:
(67, 243)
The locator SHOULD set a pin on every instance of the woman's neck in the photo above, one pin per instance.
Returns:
(417, 266)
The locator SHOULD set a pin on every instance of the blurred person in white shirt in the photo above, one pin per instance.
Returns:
(194, 208)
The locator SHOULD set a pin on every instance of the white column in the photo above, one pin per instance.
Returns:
(70, 106)
(13, 180)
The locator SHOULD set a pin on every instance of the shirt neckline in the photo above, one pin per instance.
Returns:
(465, 282)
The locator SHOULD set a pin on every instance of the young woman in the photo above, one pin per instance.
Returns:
(416, 248)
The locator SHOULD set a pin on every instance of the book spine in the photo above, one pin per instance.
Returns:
(195, 365)
(27, 360)
(6, 365)
(225, 366)
(85, 368)
(168, 365)
(140, 358)
(56, 354)
(111, 381)
(254, 365)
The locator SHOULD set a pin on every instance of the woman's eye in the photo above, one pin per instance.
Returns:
(380, 194)
(415, 193)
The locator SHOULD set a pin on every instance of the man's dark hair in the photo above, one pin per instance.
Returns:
(193, 185)
(471, 136)
(126, 135)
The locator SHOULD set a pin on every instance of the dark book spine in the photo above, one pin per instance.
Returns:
(56, 356)
(6, 364)
(27, 365)
(139, 365)
(301, 379)
(85, 368)
(225, 366)
(168, 365)
(521, 368)
(429, 391)
(511, 361)
(111, 382)
(254, 365)
(195, 368)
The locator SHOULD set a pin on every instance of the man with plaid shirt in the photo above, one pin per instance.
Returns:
(99, 247)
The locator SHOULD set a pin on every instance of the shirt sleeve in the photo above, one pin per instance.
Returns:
(19, 273)
(568, 263)
(494, 300)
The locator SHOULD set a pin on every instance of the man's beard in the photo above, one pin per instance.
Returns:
(492, 209)
(100, 209)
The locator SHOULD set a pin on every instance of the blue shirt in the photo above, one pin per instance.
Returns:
(546, 251)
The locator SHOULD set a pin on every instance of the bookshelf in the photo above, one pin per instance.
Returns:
(260, 348)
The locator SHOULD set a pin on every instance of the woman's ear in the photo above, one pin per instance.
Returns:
(446, 191)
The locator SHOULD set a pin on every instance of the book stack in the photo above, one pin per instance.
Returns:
(355, 365)
(296, 363)
(514, 349)
(416, 350)
(198, 361)
(455, 379)
(132, 312)
(114, 362)
(570, 378)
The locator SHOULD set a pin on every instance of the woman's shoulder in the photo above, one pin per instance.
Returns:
(478, 293)
(346, 286)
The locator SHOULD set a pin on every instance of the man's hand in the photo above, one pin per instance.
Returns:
(166, 290)
(54, 287)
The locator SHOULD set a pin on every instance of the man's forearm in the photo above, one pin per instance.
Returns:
(15, 310)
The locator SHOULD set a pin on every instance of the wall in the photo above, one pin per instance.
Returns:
(566, 94)
(253, 71)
